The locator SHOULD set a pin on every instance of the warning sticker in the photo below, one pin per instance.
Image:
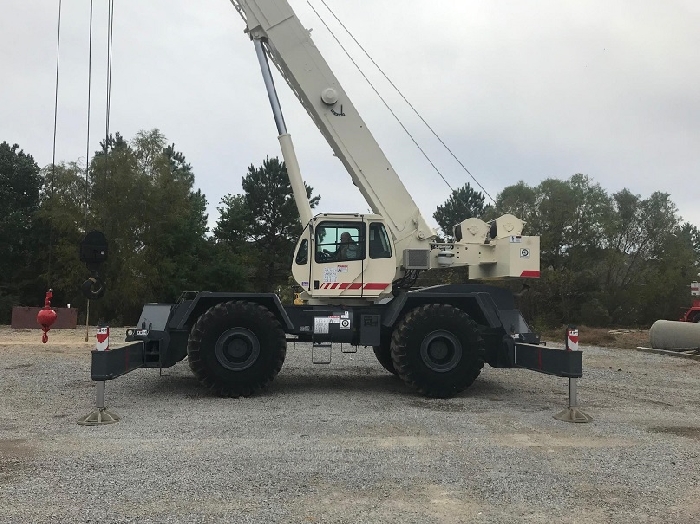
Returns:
(330, 274)
(321, 324)
(342, 268)
(516, 239)
(525, 253)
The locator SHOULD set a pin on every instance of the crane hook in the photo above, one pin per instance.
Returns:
(93, 288)
(46, 316)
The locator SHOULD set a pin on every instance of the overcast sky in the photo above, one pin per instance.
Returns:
(519, 90)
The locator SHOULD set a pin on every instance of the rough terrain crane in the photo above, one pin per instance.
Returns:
(355, 270)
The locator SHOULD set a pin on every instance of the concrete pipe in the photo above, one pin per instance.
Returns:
(666, 334)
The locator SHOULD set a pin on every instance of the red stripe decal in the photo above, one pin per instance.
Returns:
(530, 274)
(376, 285)
(334, 285)
(344, 285)
(355, 285)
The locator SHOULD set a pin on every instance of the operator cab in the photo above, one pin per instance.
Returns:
(343, 255)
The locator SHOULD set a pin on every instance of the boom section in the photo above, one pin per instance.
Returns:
(292, 50)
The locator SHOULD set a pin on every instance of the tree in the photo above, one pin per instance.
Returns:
(263, 223)
(643, 250)
(462, 204)
(62, 224)
(20, 184)
(519, 200)
(234, 218)
(142, 198)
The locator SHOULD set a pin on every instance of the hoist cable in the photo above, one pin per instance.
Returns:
(110, 26)
(400, 94)
(89, 105)
(55, 127)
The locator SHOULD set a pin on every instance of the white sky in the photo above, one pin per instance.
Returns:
(519, 90)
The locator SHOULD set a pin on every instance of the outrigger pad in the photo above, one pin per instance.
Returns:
(99, 417)
(573, 415)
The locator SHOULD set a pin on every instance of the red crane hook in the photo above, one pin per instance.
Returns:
(46, 316)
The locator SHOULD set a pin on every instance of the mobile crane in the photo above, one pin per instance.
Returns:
(436, 339)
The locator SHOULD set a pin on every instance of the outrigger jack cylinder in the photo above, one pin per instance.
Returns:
(101, 415)
(572, 413)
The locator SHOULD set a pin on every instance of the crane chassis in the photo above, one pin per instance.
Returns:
(436, 339)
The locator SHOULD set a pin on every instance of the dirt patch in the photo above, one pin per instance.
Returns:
(691, 432)
(13, 458)
(61, 341)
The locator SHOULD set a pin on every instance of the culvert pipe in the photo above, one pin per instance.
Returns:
(667, 334)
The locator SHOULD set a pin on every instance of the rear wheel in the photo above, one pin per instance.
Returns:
(434, 348)
(383, 354)
(236, 348)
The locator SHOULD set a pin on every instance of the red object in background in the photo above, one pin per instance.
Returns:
(693, 314)
(46, 316)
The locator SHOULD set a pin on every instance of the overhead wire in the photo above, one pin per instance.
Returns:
(110, 28)
(386, 104)
(55, 127)
(393, 85)
(89, 105)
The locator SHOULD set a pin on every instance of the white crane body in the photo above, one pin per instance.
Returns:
(353, 268)
(273, 25)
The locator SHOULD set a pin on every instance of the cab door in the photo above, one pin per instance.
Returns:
(338, 258)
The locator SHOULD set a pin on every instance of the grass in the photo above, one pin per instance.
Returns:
(605, 337)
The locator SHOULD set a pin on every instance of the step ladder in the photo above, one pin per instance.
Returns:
(321, 351)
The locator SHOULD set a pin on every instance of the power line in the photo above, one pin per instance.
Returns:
(391, 83)
(87, 145)
(55, 127)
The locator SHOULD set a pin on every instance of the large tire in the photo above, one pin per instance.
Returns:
(383, 354)
(435, 349)
(236, 348)
(383, 351)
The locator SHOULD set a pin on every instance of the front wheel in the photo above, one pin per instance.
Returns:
(435, 349)
(236, 348)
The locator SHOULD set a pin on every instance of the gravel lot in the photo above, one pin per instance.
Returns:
(346, 442)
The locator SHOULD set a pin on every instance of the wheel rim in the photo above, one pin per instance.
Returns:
(237, 349)
(441, 351)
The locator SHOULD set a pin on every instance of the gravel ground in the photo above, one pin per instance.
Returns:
(346, 442)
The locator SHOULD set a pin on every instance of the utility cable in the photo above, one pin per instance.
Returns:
(89, 105)
(110, 27)
(53, 153)
(400, 94)
(380, 96)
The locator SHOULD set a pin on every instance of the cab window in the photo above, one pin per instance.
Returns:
(340, 241)
(379, 245)
(303, 254)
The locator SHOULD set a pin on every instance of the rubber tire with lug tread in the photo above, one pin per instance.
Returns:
(457, 337)
(383, 351)
(236, 348)
(383, 354)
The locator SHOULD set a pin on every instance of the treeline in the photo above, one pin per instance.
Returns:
(606, 259)
(141, 194)
(615, 259)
